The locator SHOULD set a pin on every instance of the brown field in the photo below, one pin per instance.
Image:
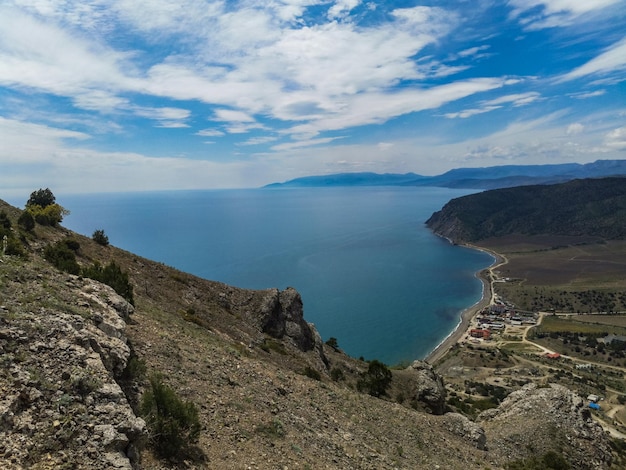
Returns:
(547, 273)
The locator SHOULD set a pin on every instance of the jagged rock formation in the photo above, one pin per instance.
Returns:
(61, 406)
(533, 420)
(281, 316)
(427, 387)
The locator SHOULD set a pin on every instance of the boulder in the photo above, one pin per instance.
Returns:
(427, 387)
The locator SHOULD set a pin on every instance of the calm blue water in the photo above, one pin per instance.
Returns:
(369, 271)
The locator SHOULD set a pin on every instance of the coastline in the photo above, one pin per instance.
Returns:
(467, 315)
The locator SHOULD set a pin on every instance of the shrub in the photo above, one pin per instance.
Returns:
(26, 221)
(376, 380)
(5, 222)
(312, 373)
(337, 374)
(100, 237)
(50, 215)
(173, 423)
(113, 276)
(332, 342)
(62, 257)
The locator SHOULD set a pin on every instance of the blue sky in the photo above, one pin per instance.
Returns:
(133, 95)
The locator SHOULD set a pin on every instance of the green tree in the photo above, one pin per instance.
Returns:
(173, 423)
(376, 380)
(100, 237)
(41, 197)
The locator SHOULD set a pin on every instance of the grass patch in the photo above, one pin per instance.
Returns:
(554, 324)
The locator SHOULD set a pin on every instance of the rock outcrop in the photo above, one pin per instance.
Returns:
(533, 420)
(467, 429)
(426, 387)
(61, 406)
(281, 316)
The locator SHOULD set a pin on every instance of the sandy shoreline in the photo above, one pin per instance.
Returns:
(468, 314)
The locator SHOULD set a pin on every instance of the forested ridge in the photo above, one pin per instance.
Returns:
(583, 207)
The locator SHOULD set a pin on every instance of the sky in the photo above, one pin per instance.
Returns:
(141, 95)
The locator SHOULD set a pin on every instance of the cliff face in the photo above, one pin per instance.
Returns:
(63, 346)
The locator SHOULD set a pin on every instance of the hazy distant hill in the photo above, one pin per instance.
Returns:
(589, 207)
(476, 178)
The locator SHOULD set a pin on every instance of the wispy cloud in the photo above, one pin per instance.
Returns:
(520, 99)
(540, 14)
(281, 80)
(613, 59)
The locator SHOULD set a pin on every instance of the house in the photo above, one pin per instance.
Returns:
(594, 406)
(480, 333)
(608, 339)
(553, 355)
(593, 398)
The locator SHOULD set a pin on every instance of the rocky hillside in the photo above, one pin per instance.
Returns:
(584, 208)
(77, 359)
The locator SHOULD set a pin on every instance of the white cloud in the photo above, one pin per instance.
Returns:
(27, 142)
(56, 62)
(232, 115)
(471, 112)
(304, 143)
(473, 51)
(613, 59)
(518, 99)
(342, 8)
(540, 14)
(210, 133)
(575, 128)
(590, 94)
(374, 108)
(616, 139)
(167, 117)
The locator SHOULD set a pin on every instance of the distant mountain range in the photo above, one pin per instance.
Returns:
(578, 208)
(472, 178)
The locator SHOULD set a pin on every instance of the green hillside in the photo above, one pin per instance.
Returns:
(586, 208)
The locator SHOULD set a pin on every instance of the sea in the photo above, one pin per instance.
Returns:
(370, 273)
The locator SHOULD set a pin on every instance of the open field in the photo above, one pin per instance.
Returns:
(612, 320)
(562, 274)
(574, 325)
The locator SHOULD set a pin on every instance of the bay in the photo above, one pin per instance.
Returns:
(370, 273)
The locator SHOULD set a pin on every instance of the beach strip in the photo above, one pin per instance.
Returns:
(486, 276)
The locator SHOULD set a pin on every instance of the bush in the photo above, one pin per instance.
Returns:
(332, 342)
(50, 215)
(113, 276)
(62, 257)
(5, 223)
(100, 237)
(376, 380)
(173, 423)
(312, 373)
(26, 221)
(337, 374)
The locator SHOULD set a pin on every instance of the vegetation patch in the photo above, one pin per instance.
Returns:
(174, 424)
